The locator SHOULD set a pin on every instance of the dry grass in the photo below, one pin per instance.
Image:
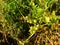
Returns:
(46, 35)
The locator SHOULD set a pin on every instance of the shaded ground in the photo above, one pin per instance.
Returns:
(7, 39)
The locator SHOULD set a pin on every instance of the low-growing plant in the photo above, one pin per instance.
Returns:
(22, 18)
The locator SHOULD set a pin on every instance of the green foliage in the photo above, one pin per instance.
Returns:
(23, 17)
